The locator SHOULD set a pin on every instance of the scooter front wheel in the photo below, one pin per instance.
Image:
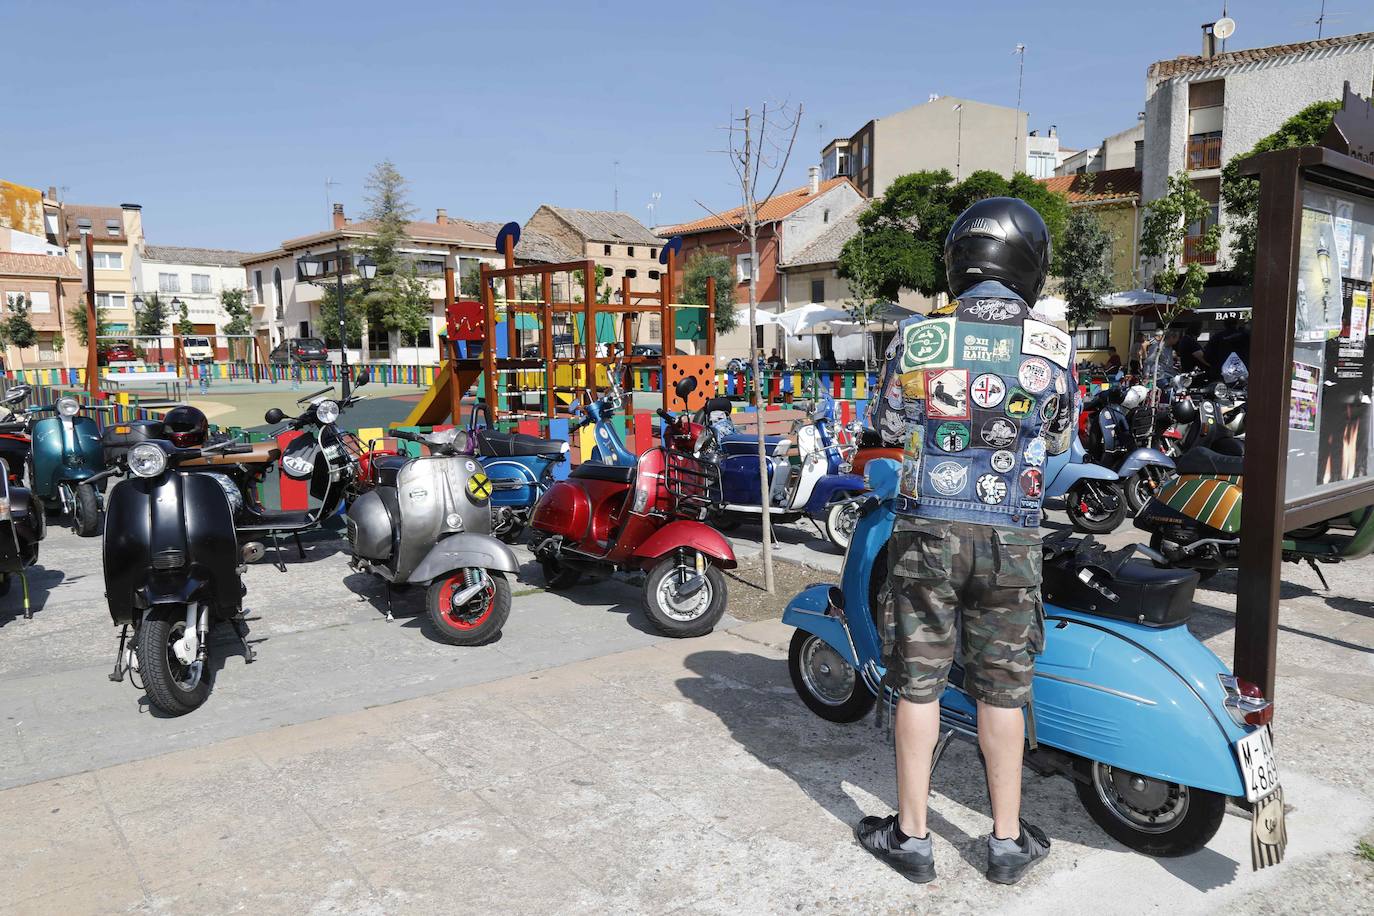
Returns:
(477, 620)
(1095, 507)
(169, 682)
(825, 681)
(1141, 487)
(679, 602)
(1157, 818)
(87, 517)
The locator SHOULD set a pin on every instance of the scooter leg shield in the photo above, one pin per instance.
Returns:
(807, 611)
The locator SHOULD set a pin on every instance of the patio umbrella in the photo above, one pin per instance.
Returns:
(1050, 308)
(1134, 298)
(812, 318)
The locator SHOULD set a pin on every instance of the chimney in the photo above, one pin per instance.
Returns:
(131, 206)
(441, 216)
(52, 193)
(339, 219)
(1209, 42)
(813, 184)
(1054, 130)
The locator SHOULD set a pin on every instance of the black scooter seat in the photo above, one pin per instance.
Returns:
(1202, 460)
(595, 470)
(514, 445)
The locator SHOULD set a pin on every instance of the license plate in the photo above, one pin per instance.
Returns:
(1256, 755)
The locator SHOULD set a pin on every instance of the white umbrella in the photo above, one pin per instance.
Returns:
(810, 319)
(1132, 298)
(1051, 308)
(761, 317)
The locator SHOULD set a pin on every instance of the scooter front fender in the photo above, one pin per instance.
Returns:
(1144, 699)
(807, 612)
(686, 533)
(1142, 458)
(832, 487)
(461, 551)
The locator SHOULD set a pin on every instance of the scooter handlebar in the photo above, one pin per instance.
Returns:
(407, 435)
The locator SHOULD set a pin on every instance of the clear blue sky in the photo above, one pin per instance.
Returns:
(224, 120)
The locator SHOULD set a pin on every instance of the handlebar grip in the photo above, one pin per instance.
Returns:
(665, 415)
(406, 434)
(238, 448)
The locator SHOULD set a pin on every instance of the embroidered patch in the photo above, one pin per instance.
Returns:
(949, 478)
(952, 437)
(1032, 482)
(1019, 404)
(988, 390)
(998, 433)
(928, 343)
(987, 346)
(911, 474)
(1040, 339)
(1003, 461)
(993, 309)
(991, 489)
(1035, 374)
(947, 394)
(1034, 453)
(1048, 408)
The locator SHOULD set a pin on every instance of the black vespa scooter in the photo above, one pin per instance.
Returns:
(172, 567)
(22, 525)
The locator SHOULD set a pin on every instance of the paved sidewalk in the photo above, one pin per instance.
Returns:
(677, 777)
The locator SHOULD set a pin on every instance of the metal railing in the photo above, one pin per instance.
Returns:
(1192, 253)
(1204, 153)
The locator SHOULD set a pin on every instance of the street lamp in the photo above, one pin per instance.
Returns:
(176, 307)
(312, 268)
(959, 144)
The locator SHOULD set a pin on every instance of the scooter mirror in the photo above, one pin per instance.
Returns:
(274, 415)
(362, 378)
(686, 386)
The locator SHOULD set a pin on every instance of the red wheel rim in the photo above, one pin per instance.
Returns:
(454, 616)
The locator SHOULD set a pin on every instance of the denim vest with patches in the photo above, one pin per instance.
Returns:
(971, 393)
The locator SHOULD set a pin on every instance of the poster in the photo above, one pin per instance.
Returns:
(1359, 268)
(1302, 404)
(1319, 285)
(1344, 424)
(1342, 225)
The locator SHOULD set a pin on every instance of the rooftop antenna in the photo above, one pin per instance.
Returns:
(328, 196)
(653, 202)
(1224, 28)
(1019, 50)
(1321, 17)
(615, 181)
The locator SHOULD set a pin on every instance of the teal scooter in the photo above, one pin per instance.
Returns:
(66, 453)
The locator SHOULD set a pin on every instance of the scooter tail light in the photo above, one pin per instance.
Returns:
(1245, 702)
(643, 485)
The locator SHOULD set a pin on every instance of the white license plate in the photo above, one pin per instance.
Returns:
(1257, 767)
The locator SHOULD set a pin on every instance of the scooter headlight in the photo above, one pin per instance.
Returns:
(327, 411)
(147, 460)
(68, 407)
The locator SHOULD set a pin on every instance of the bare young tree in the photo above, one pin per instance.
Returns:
(759, 148)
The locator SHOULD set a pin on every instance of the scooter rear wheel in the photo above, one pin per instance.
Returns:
(166, 678)
(1098, 512)
(479, 620)
(1157, 818)
(826, 683)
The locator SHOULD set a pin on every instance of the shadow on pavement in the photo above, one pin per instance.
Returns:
(42, 582)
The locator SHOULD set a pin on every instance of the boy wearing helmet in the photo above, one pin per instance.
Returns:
(985, 393)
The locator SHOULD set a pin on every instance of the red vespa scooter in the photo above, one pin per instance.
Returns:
(607, 518)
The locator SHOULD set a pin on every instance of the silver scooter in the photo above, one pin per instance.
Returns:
(428, 522)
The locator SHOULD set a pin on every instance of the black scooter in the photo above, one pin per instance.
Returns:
(172, 568)
(22, 525)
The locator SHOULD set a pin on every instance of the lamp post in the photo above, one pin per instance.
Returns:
(312, 267)
(959, 144)
(176, 308)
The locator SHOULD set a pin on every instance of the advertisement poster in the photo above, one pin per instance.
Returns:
(1343, 224)
(1344, 412)
(1319, 284)
(1302, 405)
(1358, 261)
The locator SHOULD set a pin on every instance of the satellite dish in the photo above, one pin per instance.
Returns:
(1224, 27)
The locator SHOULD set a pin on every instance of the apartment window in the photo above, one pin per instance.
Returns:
(425, 339)
(40, 302)
(653, 253)
(1139, 155)
(744, 268)
(864, 153)
(276, 285)
(109, 260)
(631, 273)
(169, 283)
(1210, 190)
(825, 215)
(257, 284)
(112, 227)
(303, 329)
(83, 224)
(1204, 150)
(841, 162)
(606, 249)
(1093, 338)
(200, 283)
(47, 350)
(118, 327)
(110, 301)
(630, 251)
(429, 267)
(818, 290)
(610, 271)
(1211, 94)
(653, 275)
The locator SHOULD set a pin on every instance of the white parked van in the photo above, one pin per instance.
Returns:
(197, 349)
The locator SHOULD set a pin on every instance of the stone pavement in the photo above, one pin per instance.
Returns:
(580, 764)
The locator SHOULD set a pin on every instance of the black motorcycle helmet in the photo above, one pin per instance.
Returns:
(999, 238)
(186, 426)
(1183, 410)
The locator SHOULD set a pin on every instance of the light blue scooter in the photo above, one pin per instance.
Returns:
(1153, 729)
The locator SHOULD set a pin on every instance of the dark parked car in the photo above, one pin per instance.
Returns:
(562, 347)
(119, 351)
(300, 349)
(654, 350)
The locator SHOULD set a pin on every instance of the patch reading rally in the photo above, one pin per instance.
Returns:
(928, 343)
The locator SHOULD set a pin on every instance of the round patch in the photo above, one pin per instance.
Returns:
(949, 478)
(1003, 461)
(1035, 374)
(1032, 482)
(952, 437)
(1019, 404)
(1034, 453)
(1048, 409)
(991, 489)
(999, 433)
(988, 390)
(479, 487)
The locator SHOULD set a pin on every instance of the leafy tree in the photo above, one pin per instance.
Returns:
(354, 308)
(152, 318)
(864, 302)
(1169, 221)
(603, 289)
(900, 243)
(1085, 266)
(76, 322)
(18, 330)
(700, 266)
(239, 321)
(1240, 194)
(410, 309)
(185, 325)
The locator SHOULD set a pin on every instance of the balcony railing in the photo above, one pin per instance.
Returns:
(1191, 254)
(1204, 153)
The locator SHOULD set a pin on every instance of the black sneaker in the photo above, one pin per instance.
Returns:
(875, 835)
(1008, 867)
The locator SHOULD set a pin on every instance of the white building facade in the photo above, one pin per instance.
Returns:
(197, 277)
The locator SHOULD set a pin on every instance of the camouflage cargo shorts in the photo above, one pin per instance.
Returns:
(982, 578)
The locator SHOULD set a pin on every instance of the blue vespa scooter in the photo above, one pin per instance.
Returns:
(66, 452)
(1153, 729)
(520, 468)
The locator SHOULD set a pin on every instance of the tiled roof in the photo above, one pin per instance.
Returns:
(37, 265)
(1187, 63)
(455, 230)
(211, 257)
(533, 245)
(826, 248)
(782, 204)
(98, 217)
(1113, 184)
(606, 226)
